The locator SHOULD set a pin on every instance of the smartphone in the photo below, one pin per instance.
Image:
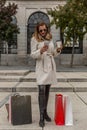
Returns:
(46, 43)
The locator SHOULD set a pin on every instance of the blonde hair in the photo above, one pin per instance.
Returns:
(38, 36)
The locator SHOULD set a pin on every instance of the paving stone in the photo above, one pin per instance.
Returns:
(78, 99)
(79, 113)
(83, 96)
(79, 86)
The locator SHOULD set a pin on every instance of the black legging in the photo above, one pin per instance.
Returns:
(43, 97)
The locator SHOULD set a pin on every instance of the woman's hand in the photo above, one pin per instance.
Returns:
(43, 49)
(59, 49)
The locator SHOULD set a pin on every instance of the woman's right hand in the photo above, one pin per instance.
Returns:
(43, 49)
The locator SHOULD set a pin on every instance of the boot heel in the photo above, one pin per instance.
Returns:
(46, 117)
(41, 124)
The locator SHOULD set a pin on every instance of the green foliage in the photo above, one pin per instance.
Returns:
(7, 28)
(71, 18)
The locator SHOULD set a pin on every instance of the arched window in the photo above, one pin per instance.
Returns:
(32, 22)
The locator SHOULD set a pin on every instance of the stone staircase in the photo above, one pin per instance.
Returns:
(25, 80)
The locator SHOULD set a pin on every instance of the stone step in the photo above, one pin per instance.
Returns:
(21, 79)
(32, 87)
(58, 79)
(14, 72)
(27, 76)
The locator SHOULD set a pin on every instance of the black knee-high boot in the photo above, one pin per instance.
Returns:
(41, 104)
(47, 89)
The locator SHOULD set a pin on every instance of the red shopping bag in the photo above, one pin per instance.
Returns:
(59, 110)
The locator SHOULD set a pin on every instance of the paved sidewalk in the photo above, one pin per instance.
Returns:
(79, 104)
(72, 82)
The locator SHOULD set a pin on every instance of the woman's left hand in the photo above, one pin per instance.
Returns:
(59, 49)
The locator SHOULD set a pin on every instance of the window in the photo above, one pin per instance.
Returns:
(32, 22)
(68, 48)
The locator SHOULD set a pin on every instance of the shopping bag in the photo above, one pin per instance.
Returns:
(59, 110)
(63, 110)
(68, 111)
(20, 110)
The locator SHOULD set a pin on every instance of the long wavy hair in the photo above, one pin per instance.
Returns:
(38, 37)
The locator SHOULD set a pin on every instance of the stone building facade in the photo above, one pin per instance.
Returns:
(28, 14)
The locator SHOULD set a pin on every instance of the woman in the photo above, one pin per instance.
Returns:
(42, 49)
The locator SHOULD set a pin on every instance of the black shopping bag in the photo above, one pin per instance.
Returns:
(20, 110)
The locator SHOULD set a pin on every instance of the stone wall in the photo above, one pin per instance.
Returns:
(25, 9)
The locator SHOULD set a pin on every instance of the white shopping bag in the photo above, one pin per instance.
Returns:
(68, 111)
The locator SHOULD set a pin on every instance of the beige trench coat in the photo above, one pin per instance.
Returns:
(45, 64)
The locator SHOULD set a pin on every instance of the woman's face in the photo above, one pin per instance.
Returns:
(42, 30)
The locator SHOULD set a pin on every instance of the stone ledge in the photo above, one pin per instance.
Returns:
(53, 89)
(34, 79)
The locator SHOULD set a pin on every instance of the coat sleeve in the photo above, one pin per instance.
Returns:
(35, 52)
(54, 50)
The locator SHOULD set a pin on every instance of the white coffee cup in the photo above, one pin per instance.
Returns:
(58, 44)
